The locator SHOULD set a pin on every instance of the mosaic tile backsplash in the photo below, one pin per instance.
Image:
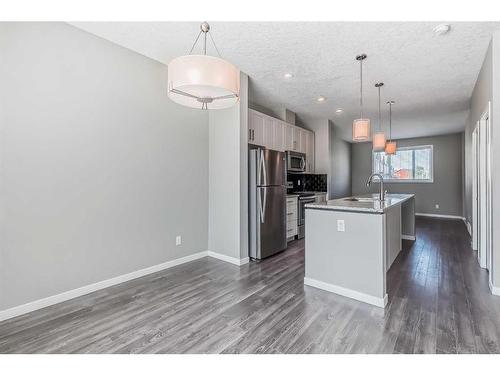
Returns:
(308, 182)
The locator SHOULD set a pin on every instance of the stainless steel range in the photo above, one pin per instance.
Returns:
(304, 198)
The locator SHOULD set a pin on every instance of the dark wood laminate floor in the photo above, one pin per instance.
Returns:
(439, 302)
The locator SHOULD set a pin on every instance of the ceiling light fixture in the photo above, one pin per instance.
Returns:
(390, 147)
(442, 29)
(361, 126)
(321, 99)
(288, 75)
(339, 111)
(203, 81)
(379, 136)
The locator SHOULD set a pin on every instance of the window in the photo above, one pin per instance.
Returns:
(409, 164)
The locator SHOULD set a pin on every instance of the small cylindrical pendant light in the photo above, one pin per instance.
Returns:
(361, 126)
(390, 147)
(379, 136)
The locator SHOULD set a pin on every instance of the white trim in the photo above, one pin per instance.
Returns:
(78, 292)
(469, 227)
(70, 294)
(227, 258)
(380, 302)
(407, 237)
(494, 289)
(441, 216)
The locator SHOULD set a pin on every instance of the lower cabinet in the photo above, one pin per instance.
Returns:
(291, 218)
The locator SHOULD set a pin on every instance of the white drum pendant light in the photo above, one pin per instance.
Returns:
(390, 147)
(202, 81)
(361, 126)
(379, 136)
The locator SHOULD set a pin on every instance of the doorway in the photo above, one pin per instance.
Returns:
(481, 191)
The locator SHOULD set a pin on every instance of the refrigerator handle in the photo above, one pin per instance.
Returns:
(264, 170)
(263, 206)
(259, 167)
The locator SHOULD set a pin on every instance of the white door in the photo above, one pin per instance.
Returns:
(289, 140)
(475, 183)
(268, 133)
(296, 139)
(255, 128)
(278, 135)
(310, 152)
(303, 141)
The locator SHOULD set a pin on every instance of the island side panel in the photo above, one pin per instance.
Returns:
(408, 219)
(350, 263)
(393, 233)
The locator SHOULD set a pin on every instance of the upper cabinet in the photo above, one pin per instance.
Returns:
(310, 152)
(274, 134)
(256, 128)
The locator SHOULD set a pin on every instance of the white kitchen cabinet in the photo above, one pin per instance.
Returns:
(268, 133)
(291, 217)
(310, 167)
(256, 128)
(274, 134)
(278, 135)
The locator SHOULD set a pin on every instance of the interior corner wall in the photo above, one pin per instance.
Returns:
(99, 170)
(486, 90)
(340, 172)
(228, 178)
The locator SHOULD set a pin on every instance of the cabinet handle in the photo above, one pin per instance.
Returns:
(253, 134)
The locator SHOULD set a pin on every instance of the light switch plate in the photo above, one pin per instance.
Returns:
(340, 226)
(178, 241)
(437, 206)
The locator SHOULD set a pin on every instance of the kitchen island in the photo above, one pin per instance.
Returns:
(351, 243)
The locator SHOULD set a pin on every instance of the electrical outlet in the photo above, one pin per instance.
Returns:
(340, 226)
(437, 206)
(178, 241)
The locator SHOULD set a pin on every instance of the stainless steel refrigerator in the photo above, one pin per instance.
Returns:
(267, 203)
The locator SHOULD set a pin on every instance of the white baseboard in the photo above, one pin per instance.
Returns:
(469, 226)
(70, 294)
(229, 259)
(441, 216)
(407, 237)
(379, 302)
(494, 289)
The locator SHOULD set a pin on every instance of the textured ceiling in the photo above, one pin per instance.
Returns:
(430, 77)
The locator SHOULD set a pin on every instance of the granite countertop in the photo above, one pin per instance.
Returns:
(368, 203)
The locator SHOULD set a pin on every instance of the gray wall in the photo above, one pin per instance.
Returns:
(482, 94)
(340, 181)
(99, 169)
(487, 89)
(228, 178)
(446, 190)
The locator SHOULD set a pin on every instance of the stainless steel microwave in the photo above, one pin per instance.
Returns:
(295, 162)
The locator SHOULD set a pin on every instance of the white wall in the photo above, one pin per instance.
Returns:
(228, 178)
(99, 170)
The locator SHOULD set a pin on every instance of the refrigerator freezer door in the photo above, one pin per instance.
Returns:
(271, 168)
(272, 220)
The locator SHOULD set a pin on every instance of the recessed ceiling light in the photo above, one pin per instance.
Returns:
(442, 29)
(288, 75)
(339, 110)
(321, 99)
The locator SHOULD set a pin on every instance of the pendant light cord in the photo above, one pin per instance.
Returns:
(361, 88)
(379, 112)
(390, 121)
(204, 43)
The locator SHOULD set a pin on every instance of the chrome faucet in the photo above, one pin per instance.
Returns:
(381, 194)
